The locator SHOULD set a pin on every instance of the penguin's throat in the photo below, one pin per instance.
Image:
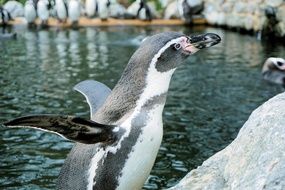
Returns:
(153, 94)
(132, 93)
(157, 83)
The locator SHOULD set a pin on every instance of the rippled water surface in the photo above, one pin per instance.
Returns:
(210, 96)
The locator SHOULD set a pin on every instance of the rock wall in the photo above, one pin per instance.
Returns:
(256, 15)
(254, 160)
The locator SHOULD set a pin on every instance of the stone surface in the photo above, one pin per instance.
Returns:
(237, 14)
(274, 3)
(254, 160)
(281, 13)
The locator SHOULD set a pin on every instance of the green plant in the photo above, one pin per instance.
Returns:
(2, 2)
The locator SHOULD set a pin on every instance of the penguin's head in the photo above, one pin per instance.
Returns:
(279, 63)
(146, 78)
(274, 63)
(169, 49)
(29, 2)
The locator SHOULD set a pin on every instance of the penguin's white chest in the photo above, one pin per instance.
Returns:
(30, 13)
(138, 162)
(142, 14)
(103, 9)
(142, 157)
(74, 10)
(90, 6)
(42, 10)
(61, 10)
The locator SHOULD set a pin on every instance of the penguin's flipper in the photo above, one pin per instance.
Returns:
(73, 128)
(94, 92)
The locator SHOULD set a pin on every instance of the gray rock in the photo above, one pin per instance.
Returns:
(7, 36)
(254, 160)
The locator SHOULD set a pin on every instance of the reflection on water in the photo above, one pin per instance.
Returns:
(92, 54)
(61, 41)
(210, 97)
(74, 50)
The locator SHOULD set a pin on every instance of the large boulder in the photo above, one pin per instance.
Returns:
(254, 160)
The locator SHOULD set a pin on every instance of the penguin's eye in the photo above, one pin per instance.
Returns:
(279, 63)
(177, 46)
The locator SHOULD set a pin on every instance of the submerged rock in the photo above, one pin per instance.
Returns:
(7, 36)
(254, 160)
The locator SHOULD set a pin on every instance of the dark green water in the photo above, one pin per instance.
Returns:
(210, 97)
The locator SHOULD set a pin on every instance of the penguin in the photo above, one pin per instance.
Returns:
(74, 11)
(144, 12)
(61, 10)
(52, 10)
(30, 12)
(43, 11)
(116, 10)
(187, 9)
(273, 70)
(91, 7)
(117, 147)
(269, 28)
(103, 9)
(35, 3)
(5, 16)
(15, 8)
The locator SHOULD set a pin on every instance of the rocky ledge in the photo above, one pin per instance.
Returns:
(254, 160)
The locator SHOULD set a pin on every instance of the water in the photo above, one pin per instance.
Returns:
(210, 96)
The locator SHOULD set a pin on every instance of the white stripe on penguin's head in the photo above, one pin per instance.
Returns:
(279, 63)
(172, 54)
(161, 69)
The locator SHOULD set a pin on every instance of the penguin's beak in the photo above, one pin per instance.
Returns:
(195, 43)
(204, 40)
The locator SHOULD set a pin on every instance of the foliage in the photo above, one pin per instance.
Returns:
(2, 2)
